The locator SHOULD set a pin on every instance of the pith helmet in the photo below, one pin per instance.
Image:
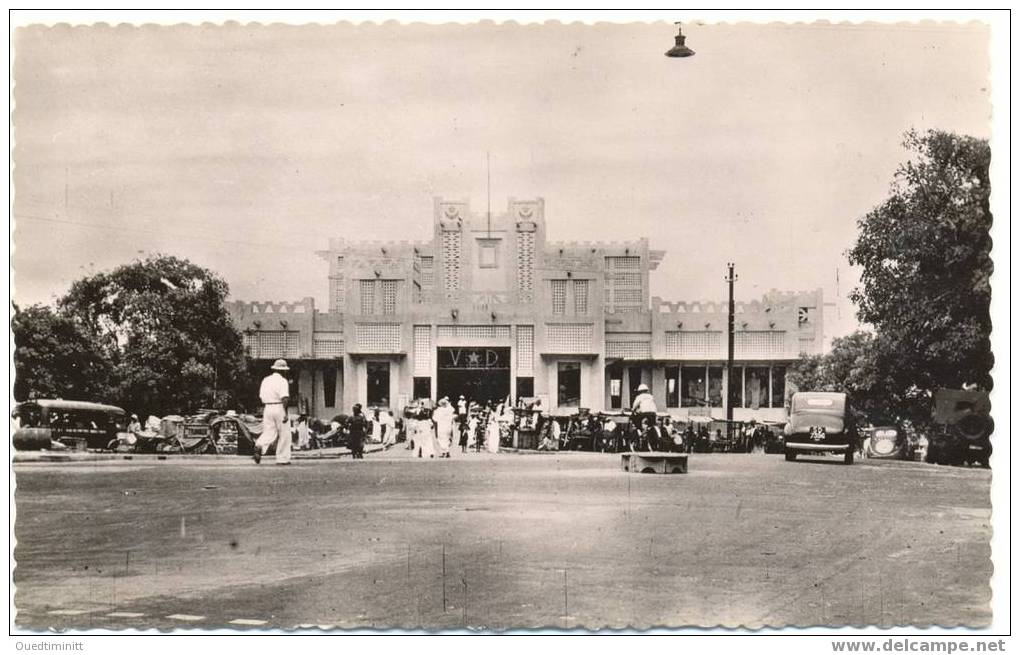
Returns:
(642, 387)
(280, 365)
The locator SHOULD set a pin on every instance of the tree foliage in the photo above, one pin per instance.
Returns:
(54, 358)
(925, 260)
(854, 366)
(163, 327)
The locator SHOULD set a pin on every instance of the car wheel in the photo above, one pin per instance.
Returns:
(848, 456)
(791, 455)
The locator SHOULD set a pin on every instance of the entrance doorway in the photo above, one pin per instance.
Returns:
(479, 374)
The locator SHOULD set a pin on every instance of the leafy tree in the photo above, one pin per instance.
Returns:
(54, 358)
(925, 260)
(856, 365)
(162, 323)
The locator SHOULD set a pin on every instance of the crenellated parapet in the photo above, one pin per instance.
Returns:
(303, 307)
(636, 246)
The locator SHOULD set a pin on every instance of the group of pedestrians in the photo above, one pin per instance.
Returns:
(433, 433)
(274, 392)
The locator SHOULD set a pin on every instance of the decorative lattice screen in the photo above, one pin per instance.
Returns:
(525, 349)
(623, 263)
(451, 266)
(338, 296)
(623, 290)
(428, 276)
(581, 297)
(559, 297)
(694, 345)
(526, 265)
(569, 337)
(327, 345)
(337, 292)
(366, 292)
(629, 349)
(272, 344)
(378, 337)
(473, 331)
(759, 344)
(422, 350)
(389, 296)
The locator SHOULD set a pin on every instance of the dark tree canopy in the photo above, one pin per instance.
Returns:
(162, 323)
(853, 366)
(926, 265)
(54, 358)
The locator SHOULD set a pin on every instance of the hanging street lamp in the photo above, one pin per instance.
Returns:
(679, 50)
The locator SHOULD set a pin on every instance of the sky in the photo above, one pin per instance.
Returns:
(244, 148)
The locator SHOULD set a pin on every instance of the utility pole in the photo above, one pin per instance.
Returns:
(730, 279)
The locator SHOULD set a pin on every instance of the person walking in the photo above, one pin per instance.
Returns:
(389, 428)
(274, 393)
(492, 431)
(425, 436)
(356, 430)
(443, 418)
(304, 435)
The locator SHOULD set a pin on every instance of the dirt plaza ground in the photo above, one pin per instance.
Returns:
(499, 542)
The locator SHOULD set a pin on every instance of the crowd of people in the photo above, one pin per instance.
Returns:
(435, 432)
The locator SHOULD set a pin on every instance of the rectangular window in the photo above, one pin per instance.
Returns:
(694, 390)
(339, 293)
(559, 297)
(366, 292)
(756, 387)
(624, 284)
(525, 349)
(378, 384)
(329, 387)
(580, 297)
(422, 387)
(778, 386)
(615, 389)
(389, 296)
(488, 253)
(525, 387)
(736, 387)
(715, 389)
(672, 386)
(568, 384)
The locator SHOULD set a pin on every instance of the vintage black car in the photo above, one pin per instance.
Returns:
(964, 428)
(820, 422)
(69, 422)
(886, 441)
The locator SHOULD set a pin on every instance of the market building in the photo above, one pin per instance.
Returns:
(489, 308)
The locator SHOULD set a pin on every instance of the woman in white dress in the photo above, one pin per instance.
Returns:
(424, 435)
(443, 418)
(492, 430)
(472, 431)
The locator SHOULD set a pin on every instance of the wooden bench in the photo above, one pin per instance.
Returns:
(654, 462)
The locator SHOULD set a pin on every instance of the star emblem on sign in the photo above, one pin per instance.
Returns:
(474, 359)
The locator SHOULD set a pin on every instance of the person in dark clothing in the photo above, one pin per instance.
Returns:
(357, 428)
(657, 438)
